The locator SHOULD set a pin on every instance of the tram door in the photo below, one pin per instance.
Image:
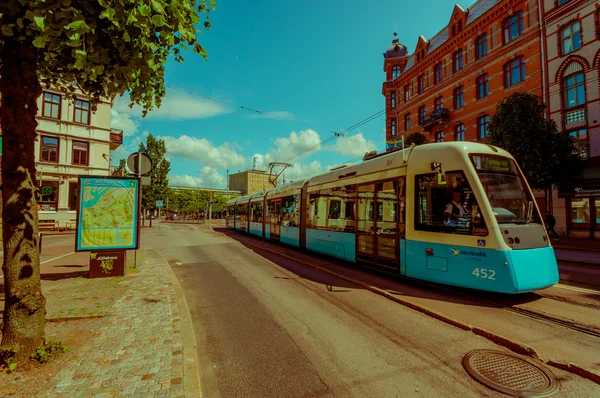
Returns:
(377, 234)
(275, 210)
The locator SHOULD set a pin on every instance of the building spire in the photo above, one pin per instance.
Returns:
(395, 30)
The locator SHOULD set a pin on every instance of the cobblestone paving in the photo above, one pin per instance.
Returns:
(138, 352)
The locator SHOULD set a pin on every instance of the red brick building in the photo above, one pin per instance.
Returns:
(571, 29)
(449, 87)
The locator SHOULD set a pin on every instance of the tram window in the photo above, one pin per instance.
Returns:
(289, 214)
(332, 209)
(257, 212)
(447, 206)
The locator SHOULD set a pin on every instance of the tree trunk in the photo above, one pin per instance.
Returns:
(25, 305)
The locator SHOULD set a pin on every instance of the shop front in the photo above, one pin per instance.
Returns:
(582, 207)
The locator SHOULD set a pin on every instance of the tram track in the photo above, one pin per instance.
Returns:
(589, 330)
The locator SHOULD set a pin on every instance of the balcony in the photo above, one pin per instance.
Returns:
(436, 117)
(116, 138)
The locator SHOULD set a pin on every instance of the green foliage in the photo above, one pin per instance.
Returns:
(370, 154)
(548, 158)
(7, 358)
(106, 47)
(48, 351)
(415, 138)
(159, 186)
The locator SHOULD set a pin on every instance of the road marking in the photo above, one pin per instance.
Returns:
(578, 289)
(57, 258)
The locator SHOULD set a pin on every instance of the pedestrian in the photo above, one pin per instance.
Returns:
(550, 223)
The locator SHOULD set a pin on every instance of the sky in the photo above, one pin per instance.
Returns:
(310, 68)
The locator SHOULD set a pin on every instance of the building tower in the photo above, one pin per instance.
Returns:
(394, 62)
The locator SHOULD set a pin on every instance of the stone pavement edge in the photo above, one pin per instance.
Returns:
(146, 348)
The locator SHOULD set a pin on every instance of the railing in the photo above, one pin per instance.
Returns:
(436, 117)
(116, 138)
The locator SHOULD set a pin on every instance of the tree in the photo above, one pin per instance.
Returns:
(415, 138)
(101, 48)
(122, 169)
(548, 158)
(370, 154)
(159, 182)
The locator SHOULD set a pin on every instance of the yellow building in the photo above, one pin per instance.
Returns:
(249, 181)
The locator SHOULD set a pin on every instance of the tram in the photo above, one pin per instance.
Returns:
(455, 213)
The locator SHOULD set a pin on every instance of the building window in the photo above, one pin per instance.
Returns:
(580, 138)
(512, 27)
(574, 86)
(393, 127)
(571, 38)
(457, 61)
(483, 88)
(421, 84)
(47, 196)
(437, 73)
(80, 153)
(82, 112)
(393, 100)
(514, 72)
(422, 114)
(561, 2)
(459, 97)
(481, 44)
(439, 136)
(407, 122)
(406, 92)
(51, 105)
(459, 132)
(483, 124)
(438, 104)
(395, 71)
(49, 149)
(73, 194)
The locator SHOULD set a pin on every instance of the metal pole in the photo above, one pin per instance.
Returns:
(139, 175)
(210, 206)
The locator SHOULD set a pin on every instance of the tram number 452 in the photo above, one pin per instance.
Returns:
(484, 273)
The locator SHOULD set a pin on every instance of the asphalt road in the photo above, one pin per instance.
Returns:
(271, 327)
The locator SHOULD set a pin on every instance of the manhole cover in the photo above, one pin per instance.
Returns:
(510, 374)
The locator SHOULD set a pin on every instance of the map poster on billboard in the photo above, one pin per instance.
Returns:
(108, 214)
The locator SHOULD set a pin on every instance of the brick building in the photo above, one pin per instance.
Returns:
(449, 87)
(571, 29)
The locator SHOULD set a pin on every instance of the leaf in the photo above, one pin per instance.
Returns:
(79, 25)
(7, 30)
(74, 43)
(39, 21)
(80, 57)
(144, 10)
(126, 37)
(158, 20)
(12, 366)
(20, 23)
(157, 6)
(39, 42)
(108, 13)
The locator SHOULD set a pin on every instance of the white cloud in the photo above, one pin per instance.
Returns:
(176, 105)
(279, 115)
(123, 121)
(353, 145)
(301, 171)
(221, 157)
(208, 177)
(306, 141)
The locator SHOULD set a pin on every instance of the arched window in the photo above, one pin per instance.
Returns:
(574, 89)
(457, 61)
(395, 71)
(437, 73)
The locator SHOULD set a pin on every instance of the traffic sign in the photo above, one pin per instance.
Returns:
(145, 164)
(159, 203)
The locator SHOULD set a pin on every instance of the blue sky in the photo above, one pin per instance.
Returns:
(312, 67)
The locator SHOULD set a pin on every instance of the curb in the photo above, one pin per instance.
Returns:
(515, 346)
(575, 261)
(191, 370)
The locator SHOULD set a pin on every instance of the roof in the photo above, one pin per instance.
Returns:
(473, 12)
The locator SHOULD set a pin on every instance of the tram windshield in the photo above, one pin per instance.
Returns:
(506, 190)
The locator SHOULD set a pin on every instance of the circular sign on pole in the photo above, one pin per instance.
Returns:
(145, 164)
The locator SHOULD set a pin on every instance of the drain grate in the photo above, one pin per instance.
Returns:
(510, 374)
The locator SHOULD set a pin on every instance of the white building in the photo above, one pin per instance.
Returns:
(72, 141)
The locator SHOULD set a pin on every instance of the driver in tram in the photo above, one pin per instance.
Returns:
(454, 210)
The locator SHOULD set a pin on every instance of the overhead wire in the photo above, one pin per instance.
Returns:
(304, 151)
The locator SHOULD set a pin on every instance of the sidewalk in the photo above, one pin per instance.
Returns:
(140, 343)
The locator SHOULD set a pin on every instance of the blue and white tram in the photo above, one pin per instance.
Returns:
(455, 213)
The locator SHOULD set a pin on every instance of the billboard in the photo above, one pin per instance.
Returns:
(108, 214)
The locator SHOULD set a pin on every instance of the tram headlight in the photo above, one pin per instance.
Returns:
(511, 241)
(517, 241)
